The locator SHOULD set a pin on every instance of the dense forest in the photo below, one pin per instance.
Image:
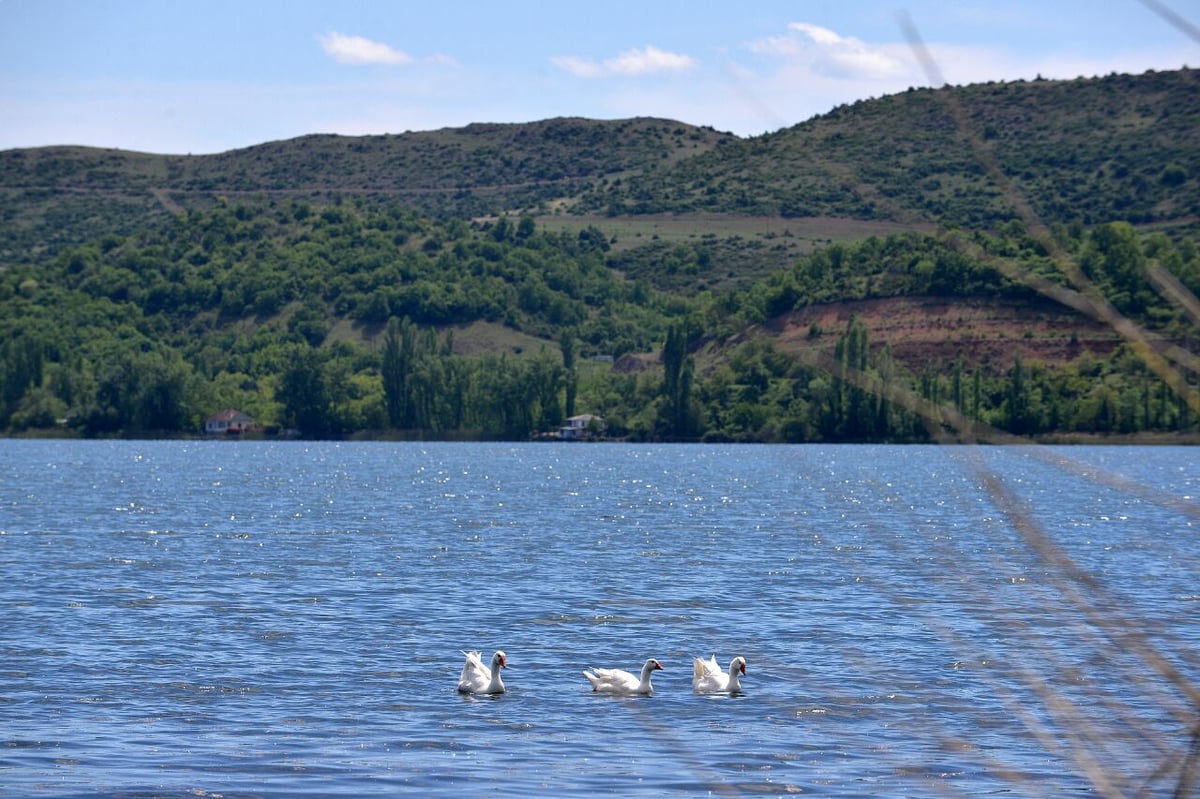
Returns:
(341, 320)
(131, 305)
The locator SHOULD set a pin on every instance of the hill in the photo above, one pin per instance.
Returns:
(54, 196)
(1096, 150)
(477, 281)
(1088, 150)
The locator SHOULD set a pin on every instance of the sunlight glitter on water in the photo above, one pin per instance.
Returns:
(295, 626)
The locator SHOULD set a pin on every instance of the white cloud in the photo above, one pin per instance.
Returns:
(358, 50)
(781, 46)
(833, 55)
(646, 61)
(822, 36)
(579, 67)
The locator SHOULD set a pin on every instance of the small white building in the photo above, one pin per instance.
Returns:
(580, 427)
(230, 420)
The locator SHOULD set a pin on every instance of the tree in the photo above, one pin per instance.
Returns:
(567, 344)
(1016, 407)
(20, 369)
(545, 378)
(526, 228)
(160, 392)
(394, 370)
(305, 395)
(502, 230)
(854, 411)
(678, 370)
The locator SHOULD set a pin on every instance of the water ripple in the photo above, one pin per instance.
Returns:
(184, 619)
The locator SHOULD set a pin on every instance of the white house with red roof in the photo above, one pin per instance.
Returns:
(230, 420)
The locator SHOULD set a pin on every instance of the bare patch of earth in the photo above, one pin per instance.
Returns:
(932, 331)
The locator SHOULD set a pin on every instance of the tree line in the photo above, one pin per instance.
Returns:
(338, 321)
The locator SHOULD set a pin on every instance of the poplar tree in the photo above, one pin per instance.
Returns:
(567, 344)
(677, 380)
(393, 373)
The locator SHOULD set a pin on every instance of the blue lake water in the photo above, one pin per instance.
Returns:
(286, 619)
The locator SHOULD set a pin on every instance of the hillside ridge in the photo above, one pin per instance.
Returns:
(911, 154)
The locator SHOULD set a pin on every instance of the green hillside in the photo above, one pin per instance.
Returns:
(1098, 150)
(871, 274)
(59, 195)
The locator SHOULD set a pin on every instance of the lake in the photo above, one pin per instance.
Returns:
(236, 619)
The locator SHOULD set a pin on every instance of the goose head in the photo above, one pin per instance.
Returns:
(651, 666)
(737, 667)
(499, 660)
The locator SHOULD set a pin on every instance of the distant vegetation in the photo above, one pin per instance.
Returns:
(340, 287)
(1117, 148)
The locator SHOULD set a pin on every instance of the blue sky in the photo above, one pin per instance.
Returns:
(179, 76)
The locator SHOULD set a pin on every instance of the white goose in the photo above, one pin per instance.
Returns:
(622, 683)
(477, 678)
(707, 677)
